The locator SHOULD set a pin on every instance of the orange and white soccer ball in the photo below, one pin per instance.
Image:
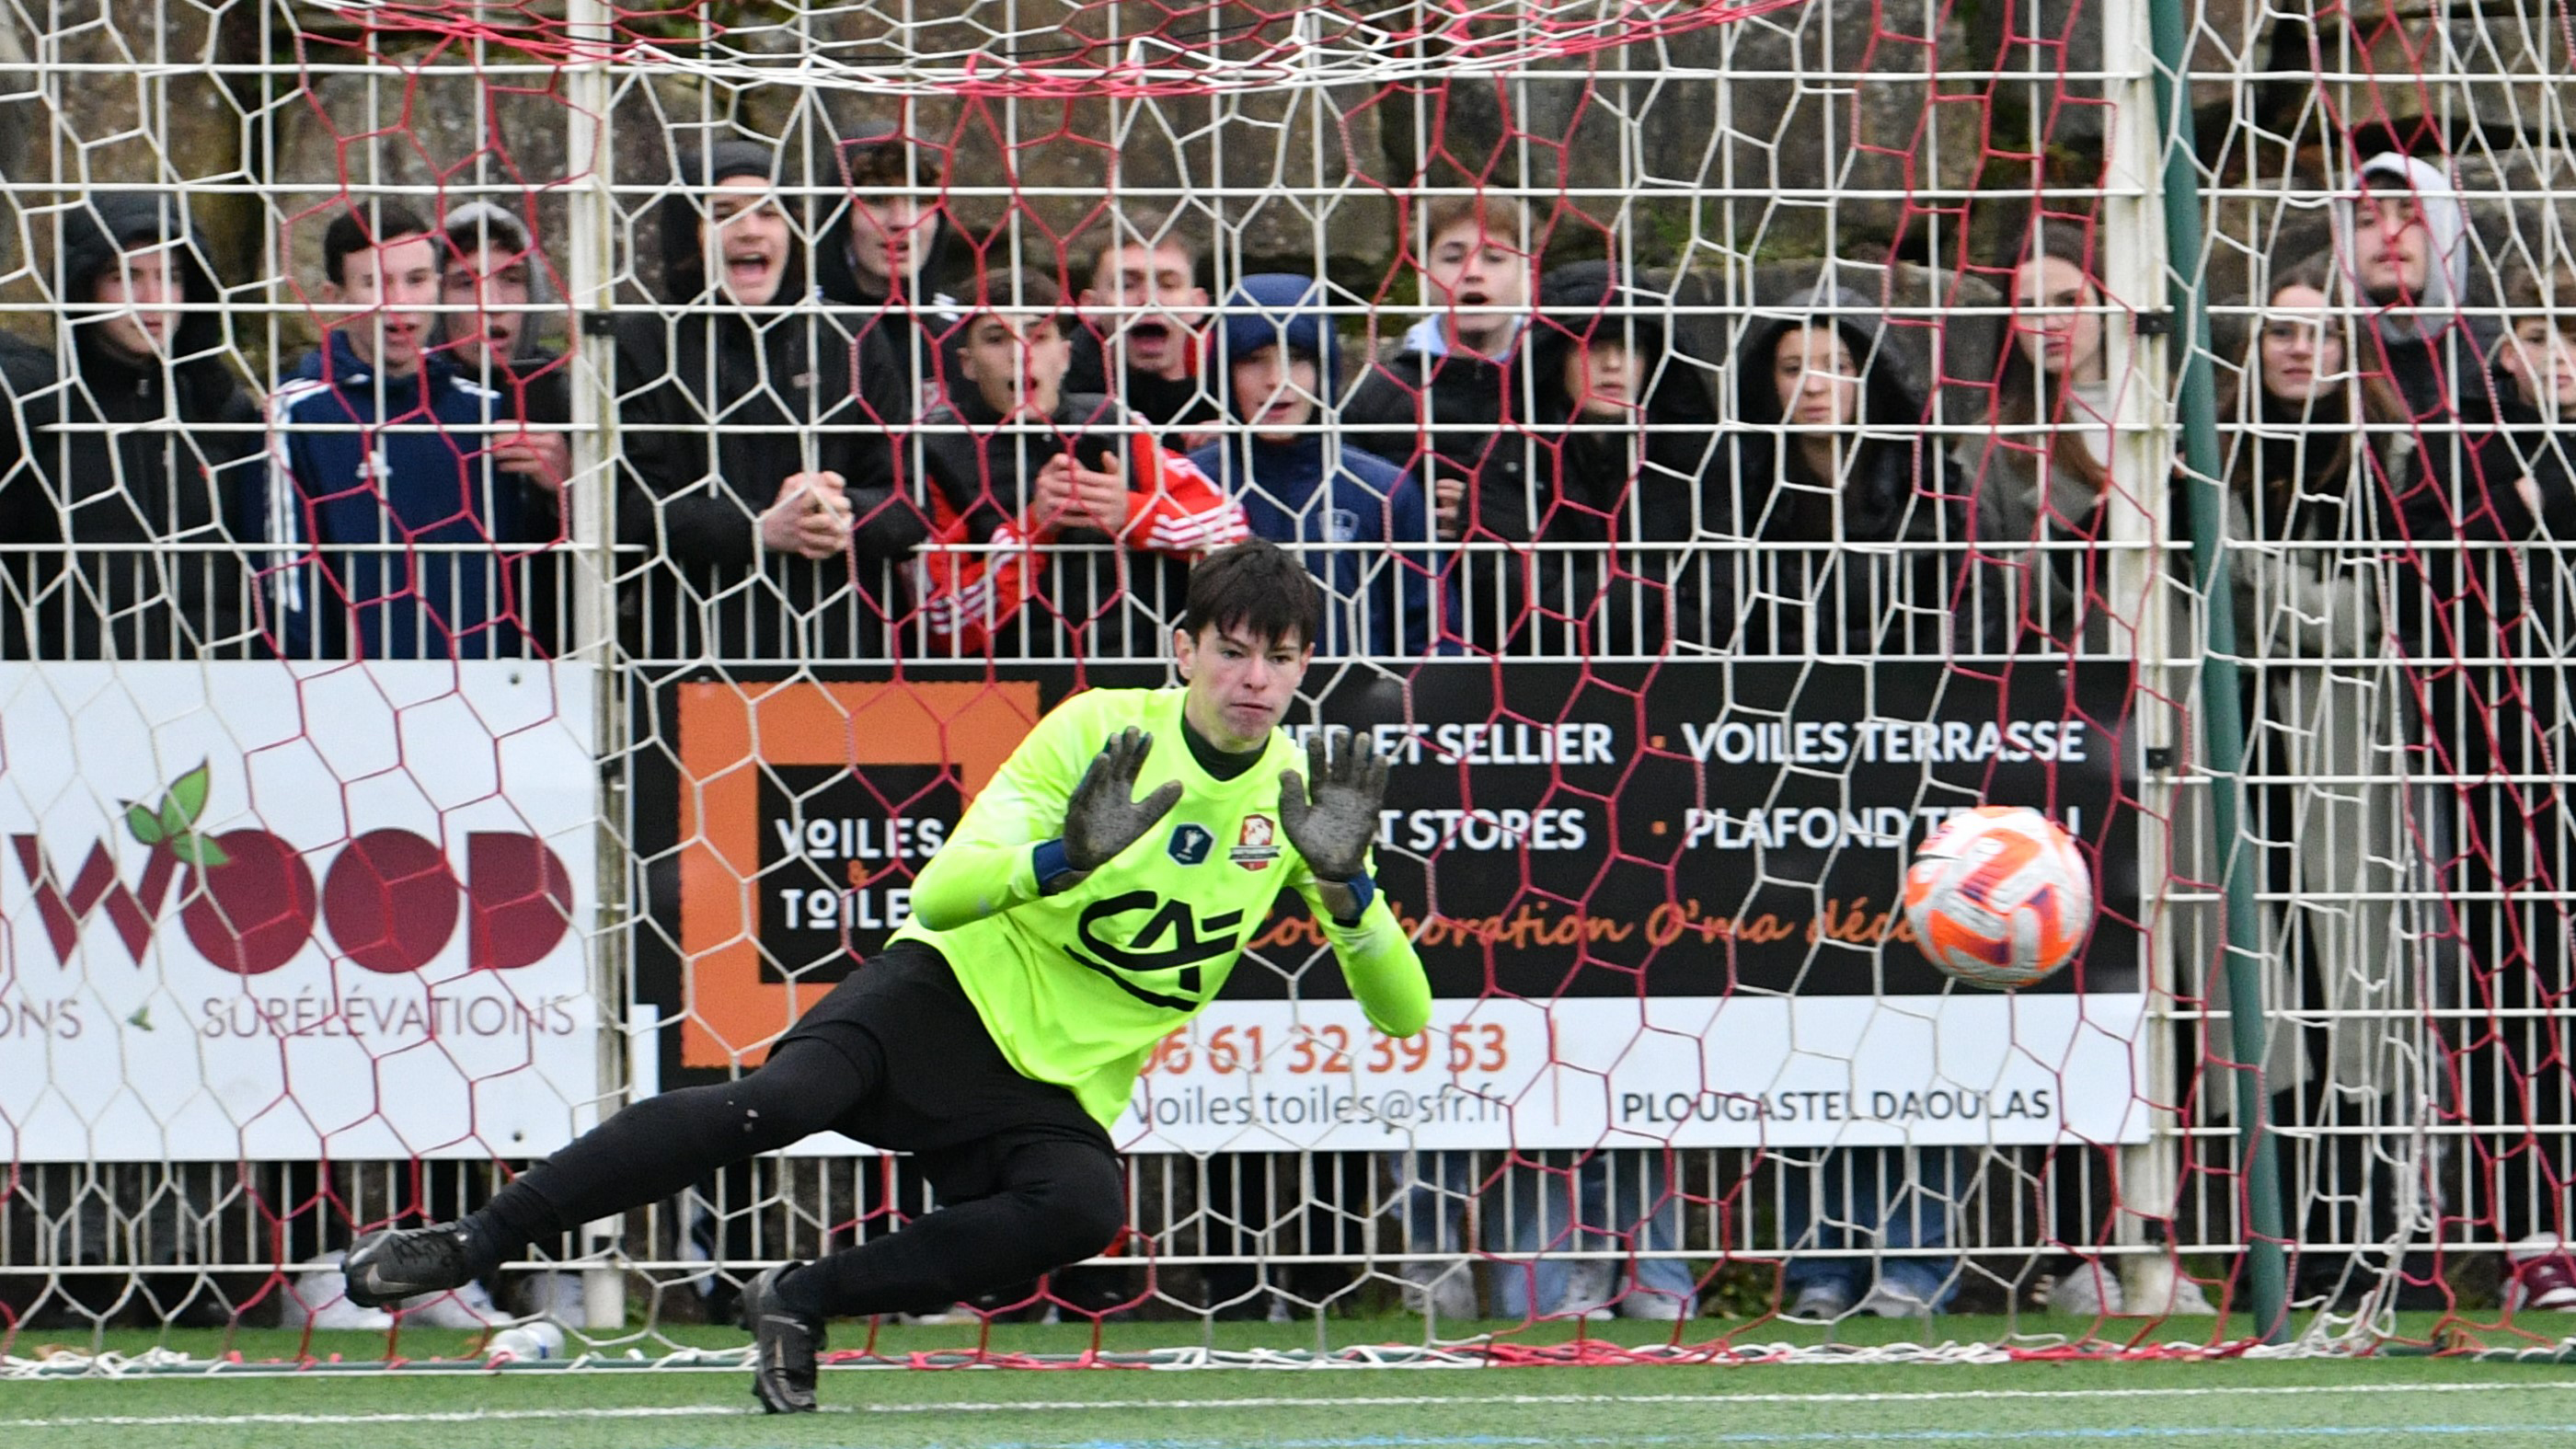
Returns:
(1999, 897)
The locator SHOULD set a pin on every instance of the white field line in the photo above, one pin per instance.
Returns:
(1339, 1402)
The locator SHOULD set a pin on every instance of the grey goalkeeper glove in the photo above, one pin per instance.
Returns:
(1105, 817)
(1333, 825)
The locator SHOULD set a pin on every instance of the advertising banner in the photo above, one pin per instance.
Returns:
(254, 910)
(1657, 904)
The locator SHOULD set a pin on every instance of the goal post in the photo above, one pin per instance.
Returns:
(2221, 682)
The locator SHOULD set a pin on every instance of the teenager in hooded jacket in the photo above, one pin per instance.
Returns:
(1831, 449)
(1626, 432)
(756, 427)
(142, 456)
(1358, 522)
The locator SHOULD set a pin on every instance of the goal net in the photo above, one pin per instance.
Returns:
(520, 536)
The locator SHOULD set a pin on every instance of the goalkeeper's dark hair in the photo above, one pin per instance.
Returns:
(1258, 587)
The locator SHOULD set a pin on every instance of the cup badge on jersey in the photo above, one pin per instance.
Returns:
(1190, 843)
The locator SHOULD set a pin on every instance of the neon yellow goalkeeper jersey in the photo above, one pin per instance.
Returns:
(1077, 987)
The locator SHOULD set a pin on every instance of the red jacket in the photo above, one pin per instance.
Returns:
(987, 558)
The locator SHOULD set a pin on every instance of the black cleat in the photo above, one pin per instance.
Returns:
(389, 1267)
(783, 1345)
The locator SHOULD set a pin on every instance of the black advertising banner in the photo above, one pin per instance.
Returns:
(1659, 901)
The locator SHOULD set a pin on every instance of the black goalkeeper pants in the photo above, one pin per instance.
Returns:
(896, 1057)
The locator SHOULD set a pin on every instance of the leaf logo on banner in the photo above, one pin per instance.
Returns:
(174, 824)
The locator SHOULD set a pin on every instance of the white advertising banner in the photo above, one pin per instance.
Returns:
(255, 910)
(1685, 1071)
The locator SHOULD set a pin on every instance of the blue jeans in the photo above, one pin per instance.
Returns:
(1613, 1200)
(1437, 1188)
(1866, 1198)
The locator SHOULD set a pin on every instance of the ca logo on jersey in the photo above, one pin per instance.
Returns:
(1170, 947)
(1190, 844)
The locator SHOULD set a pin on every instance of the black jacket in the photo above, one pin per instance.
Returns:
(2522, 444)
(1176, 407)
(922, 333)
(720, 404)
(1638, 499)
(536, 387)
(2448, 600)
(1446, 415)
(145, 467)
(1800, 591)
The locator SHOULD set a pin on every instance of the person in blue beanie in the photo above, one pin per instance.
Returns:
(1359, 522)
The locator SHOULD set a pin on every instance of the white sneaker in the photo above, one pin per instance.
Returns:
(1443, 1288)
(320, 1299)
(2088, 1290)
(1819, 1303)
(1589, 1286)
(2160, 1290)
(467, 1307)
(1656, 1305)
(558, 1295)
(1895, 1300)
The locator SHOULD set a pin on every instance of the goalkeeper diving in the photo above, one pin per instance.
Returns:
(1096, 895)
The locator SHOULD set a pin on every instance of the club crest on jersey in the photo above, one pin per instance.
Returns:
(1190, 843)
(1257, 845)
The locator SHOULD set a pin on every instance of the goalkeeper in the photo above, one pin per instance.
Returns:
(1065, 928)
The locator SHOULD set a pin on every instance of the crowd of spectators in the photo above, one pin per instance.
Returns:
(894, 441)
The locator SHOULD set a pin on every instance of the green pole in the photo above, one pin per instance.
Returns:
(2221, 689)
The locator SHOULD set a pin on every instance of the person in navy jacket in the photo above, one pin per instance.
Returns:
(392, 530)
(1363, 522)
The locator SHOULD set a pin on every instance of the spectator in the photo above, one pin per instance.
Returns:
(887, 257)
(2521, 1086)
(492, 268)
(1831, 452)
(1359, 523)
(2327, 729)
(2402, 237)
(2477, 642)
(760, 471)
(1626, 425)
(2042, 499)
(1444, 407)
(134, 480)
(1144, 340)
(2534, 387)
(1038, 496)
(382, 470)
(2043, 477)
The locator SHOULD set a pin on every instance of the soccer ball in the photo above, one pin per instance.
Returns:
(1999, 897)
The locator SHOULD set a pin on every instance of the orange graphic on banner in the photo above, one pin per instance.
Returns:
(727, 734)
